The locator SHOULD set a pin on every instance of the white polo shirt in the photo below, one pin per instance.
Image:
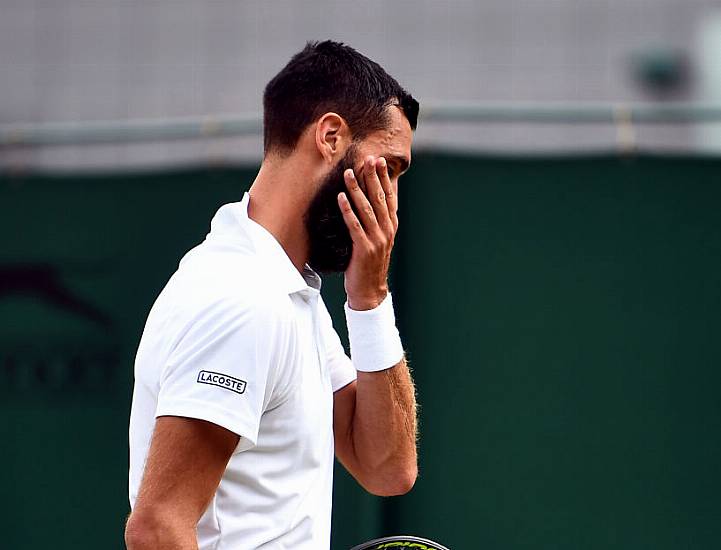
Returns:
(239, 338)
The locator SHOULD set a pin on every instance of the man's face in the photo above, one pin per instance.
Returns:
(330, 244)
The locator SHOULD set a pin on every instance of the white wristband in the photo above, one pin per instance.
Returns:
(374, 340)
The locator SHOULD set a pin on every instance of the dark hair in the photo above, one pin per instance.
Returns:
(330, 76)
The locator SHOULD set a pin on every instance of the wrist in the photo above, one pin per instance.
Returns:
(367, 302)
(375, 344)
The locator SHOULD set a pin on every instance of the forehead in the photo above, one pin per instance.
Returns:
(395, 140)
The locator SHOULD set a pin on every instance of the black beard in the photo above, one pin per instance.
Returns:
(329, 242)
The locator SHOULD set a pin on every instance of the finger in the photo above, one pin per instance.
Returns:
(365, 211)
(375, 192)
(390, 194)
(355, 229)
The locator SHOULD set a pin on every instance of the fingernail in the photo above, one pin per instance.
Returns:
(382, 162)
(349, 173)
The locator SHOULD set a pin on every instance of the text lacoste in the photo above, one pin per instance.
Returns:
(222, 381)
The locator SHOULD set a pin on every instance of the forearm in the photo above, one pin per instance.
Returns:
(384, 428)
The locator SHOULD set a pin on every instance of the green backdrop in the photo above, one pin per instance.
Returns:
(561, 316)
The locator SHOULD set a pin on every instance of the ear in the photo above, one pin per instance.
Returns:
(332, 136)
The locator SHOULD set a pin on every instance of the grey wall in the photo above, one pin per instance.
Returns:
(78, 60)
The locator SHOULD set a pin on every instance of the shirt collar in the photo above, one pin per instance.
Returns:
(232, 222)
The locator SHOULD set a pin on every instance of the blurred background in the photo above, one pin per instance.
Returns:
(557, 274)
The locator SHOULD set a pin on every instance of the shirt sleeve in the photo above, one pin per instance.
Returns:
(341, 368)
(219, 370)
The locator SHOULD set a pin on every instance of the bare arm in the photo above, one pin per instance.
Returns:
(375, 430)
(375, 417)
(185, 463)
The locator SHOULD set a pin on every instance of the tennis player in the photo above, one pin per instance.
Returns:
(243, 392)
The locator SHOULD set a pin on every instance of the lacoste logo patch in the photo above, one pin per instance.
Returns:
(222, 381)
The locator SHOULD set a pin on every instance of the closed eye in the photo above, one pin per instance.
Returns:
(397, 165)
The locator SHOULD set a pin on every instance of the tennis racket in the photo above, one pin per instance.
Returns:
(400, 542)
